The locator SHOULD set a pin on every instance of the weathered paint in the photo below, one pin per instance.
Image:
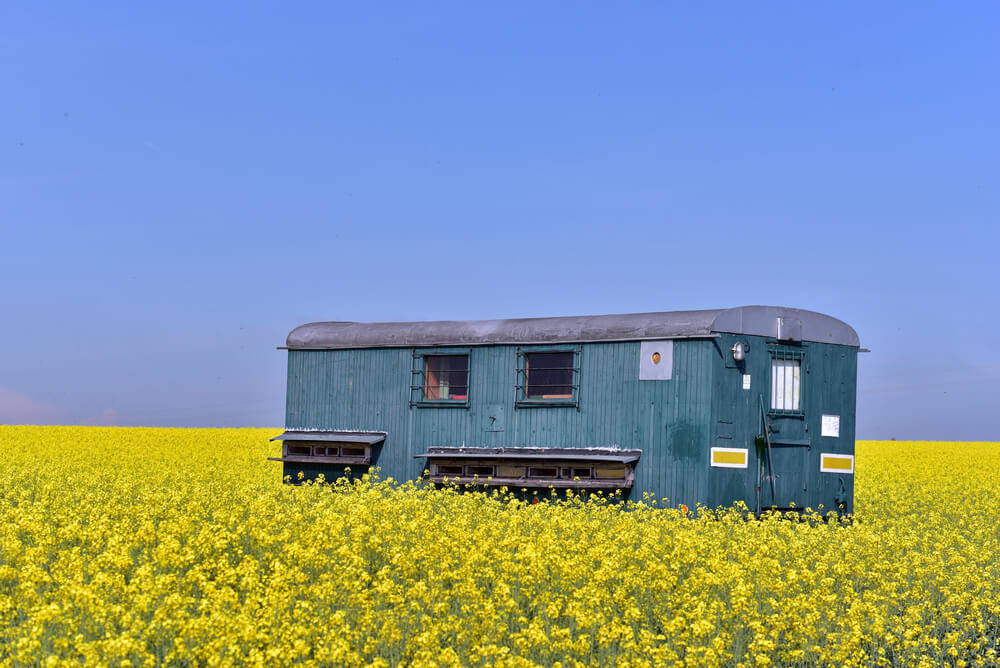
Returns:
(674, 422)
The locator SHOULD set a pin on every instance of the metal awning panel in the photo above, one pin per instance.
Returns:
(535, 454)
(625, 459)
(366, 437)
(323, 460)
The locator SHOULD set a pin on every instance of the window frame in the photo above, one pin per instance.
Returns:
(520, 378)
(418, 373)
(787, 352)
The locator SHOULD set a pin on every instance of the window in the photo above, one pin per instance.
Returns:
(548, 377)
(786, 375)
(440, 378)
(446, 377)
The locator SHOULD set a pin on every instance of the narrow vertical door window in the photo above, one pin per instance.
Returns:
(785, 384)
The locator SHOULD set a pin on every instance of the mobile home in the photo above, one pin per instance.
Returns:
(752, 404)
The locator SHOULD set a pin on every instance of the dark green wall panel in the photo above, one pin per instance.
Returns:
(829, 384)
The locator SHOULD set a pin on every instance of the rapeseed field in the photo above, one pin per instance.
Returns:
(140, 547)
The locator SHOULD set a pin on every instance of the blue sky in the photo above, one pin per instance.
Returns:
(181, 185)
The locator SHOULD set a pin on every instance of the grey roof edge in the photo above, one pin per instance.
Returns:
(754, 320)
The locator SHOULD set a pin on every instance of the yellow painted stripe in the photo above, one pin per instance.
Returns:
(840, 463)
(723, 457)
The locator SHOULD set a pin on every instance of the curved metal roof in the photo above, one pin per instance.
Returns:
(754, 320)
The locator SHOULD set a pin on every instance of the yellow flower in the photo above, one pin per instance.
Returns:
(166, 546)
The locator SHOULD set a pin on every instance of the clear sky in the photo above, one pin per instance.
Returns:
(182, 185)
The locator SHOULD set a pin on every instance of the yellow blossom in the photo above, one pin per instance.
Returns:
(143, 547)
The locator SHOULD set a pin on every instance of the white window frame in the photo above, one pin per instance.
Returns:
(787, 371)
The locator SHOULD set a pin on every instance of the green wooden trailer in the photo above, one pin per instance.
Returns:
(753, 404)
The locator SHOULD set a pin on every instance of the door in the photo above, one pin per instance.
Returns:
(784, 443)
(790, 476)
(733, 469)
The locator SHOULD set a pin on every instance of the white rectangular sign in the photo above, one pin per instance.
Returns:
(729, 458)
(830, 462)
(746, 381)
(831, 426)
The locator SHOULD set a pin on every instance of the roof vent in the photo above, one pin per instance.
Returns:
(789, 329)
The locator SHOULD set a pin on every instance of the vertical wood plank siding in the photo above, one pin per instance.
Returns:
(667, 420)
(828, 386)
(675, 423)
